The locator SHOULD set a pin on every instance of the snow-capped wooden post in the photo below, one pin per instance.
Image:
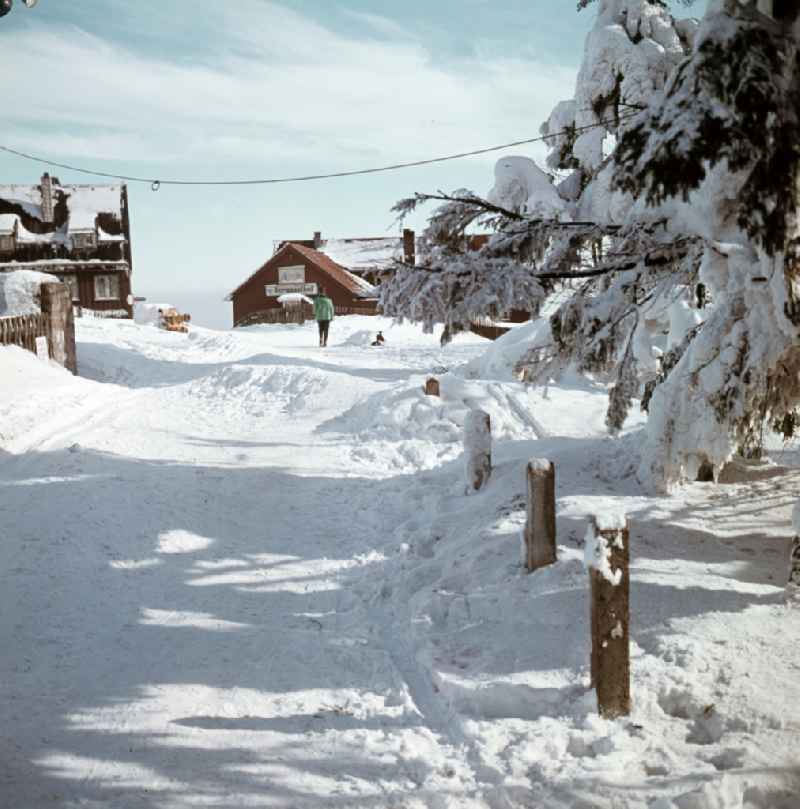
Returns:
(478, 448)
(607, 555)
(431, 386)
(540, 525)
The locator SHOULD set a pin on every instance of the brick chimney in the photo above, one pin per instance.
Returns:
(409, 247)
(48, 214)
(317, 239)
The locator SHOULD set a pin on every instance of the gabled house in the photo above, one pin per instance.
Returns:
(295, 267)
(367, 257)
(80, 233)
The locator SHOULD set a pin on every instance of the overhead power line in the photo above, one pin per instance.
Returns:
(155, 183)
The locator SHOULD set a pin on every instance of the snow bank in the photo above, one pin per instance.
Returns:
(260, 391)
(407, 413)
(503, 354)
(41, 399)
(19, 291)
(149, 313)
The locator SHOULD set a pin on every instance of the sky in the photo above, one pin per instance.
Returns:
(242, 89)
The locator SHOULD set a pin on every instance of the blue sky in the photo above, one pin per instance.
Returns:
(205, 89)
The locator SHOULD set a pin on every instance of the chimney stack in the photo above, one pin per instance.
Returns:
(48, 214)
(409, 247)
(317, 239)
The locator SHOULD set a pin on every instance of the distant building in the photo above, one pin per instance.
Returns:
(367, 257)
(295, 267)
(80, 233)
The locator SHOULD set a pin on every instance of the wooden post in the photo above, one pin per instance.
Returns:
(607, 556)
(432, 386)
(478, 448)
(57, 308)
(540, 525)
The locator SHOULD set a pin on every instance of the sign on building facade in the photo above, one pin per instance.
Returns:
(290, 279)
(273, 290)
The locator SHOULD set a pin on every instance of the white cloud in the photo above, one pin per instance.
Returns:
(276, 89)
(378, 23)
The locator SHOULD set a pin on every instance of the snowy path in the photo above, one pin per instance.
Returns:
(194, 579)
(237, 571)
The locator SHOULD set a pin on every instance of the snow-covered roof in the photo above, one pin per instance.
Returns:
(107, 237)
(25, 236)
(84, 202)
(28, 197)
(365, 253)
(64, 264)
(358, 286)
(8, 222)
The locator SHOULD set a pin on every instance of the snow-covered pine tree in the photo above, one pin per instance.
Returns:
(698, 201)
(721, 147)
(577, 228)
(543, 231)
(609, 324)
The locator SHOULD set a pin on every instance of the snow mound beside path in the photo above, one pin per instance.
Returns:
(406, 413)
(29, 389)
(501, 357)
(256, 390)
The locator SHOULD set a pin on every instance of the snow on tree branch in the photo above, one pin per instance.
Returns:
(735, 101)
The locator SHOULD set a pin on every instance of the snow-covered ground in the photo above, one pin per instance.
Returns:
(239, 570)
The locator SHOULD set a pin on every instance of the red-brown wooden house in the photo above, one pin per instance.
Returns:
(299, 268)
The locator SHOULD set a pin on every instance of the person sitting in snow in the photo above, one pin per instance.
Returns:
(379, 340)
(323, 314)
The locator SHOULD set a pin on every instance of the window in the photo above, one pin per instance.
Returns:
(82, 240)
(7, 244)
(72, 284)
(292, 275)
(106, 288)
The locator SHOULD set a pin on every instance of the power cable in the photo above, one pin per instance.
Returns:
(155, 184)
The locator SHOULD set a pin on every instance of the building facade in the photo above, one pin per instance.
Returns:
(297, 268)
(80, 233)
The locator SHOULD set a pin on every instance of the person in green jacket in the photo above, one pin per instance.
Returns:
(323, 314)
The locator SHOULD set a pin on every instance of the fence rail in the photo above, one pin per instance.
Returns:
(55, 323)
(298, 314)
(22, 330)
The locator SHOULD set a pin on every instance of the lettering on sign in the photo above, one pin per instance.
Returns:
(273, 290)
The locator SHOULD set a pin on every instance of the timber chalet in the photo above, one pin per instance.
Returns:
(347, 268)
(80, 233)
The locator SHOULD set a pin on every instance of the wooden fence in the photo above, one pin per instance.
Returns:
(55, 323)
(298, 314)
(355, 310)
(22, 330)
